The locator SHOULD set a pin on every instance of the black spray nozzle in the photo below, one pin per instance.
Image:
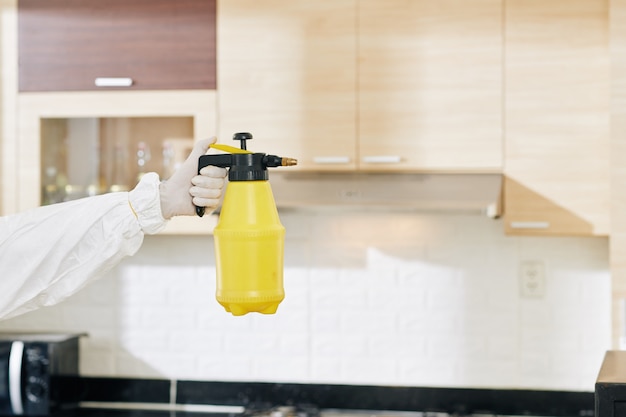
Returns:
(243, 166)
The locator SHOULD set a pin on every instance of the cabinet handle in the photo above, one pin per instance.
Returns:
(530, 225)
(114, 82)
(382, 159)
(330, 160)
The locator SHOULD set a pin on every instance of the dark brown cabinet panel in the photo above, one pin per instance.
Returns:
(66, 45)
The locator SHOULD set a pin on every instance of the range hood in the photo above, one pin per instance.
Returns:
(471, 193)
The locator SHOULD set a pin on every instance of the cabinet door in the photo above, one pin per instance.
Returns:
(73, 144)
(287, 74)
(557, 117)
(81, 44)
(430, 85)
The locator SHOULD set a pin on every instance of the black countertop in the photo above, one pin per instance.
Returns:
(610, 392)
(199, 395)
(105, 412)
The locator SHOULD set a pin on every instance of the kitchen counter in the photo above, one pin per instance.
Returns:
(610, 394)
(155, 398)
(184, 411)
(105, 412)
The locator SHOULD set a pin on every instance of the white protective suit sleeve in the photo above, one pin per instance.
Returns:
(51, 252)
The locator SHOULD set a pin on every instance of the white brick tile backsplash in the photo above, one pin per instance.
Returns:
(368, 321)
(344, 297)
(486, 373)
(324, 321)
(291, 320)
(100, 317)
(97, 363)
(404, 346)
(382, 369)
(418, 322)
(215, 367)
(280, 368)
(372, 297)
(423, 371)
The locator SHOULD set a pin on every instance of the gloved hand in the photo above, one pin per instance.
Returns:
(185, 189)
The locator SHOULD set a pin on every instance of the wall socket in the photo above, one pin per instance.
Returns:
(532, 279)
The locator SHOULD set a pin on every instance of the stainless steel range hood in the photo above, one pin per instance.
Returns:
(471, 193)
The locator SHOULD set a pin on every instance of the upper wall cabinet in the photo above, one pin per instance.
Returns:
(557, 112)
(92, 44)
(430, 84)
(372, 85)
(287, 74)
(83, 143)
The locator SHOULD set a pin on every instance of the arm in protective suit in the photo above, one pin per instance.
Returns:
(50, 252)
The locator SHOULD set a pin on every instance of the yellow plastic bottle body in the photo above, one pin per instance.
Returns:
(249, 250)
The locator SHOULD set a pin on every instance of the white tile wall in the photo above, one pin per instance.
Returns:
(373, 297)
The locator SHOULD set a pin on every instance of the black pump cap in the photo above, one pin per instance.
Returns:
(248, 167)
(242, 137)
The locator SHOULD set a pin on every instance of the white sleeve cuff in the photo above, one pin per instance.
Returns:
(145, 201)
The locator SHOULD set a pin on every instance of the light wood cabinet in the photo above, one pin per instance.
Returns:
(287, 74)
(39, 129)
(8, 106)
(556, 112)
(105, 130)
(401, 85)
(430, 85)
(366, 85)
(69, 45)
(617, 241)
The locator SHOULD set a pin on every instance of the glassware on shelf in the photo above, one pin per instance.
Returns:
(175, 152)
(143, 157)
(85, 156)
(53, 166)
(119, 178)
(53, 186)
(169, 160)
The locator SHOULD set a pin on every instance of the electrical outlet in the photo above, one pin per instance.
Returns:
(532, 279)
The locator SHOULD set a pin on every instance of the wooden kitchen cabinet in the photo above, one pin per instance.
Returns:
(77, 144)
(287, 74)
(430, 85)
(617, 238)
(62, 143)
(69, 45)
(556, 113)
(8, 111)
(367, 85)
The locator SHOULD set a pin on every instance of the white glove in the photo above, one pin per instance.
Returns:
(185, 189)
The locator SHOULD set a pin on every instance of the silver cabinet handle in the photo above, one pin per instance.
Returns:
(330, 160)
(113, 82)
(530, 225)
(15, 377)
(382, 159)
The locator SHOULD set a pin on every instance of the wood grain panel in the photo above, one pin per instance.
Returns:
(287, 74)
(160, 44)
(557, 111)
(32, 107)
(552, 219)
(8, 106)
(430, 83)
(617, 242)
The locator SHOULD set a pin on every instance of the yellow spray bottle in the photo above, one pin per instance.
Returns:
(249, 238)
